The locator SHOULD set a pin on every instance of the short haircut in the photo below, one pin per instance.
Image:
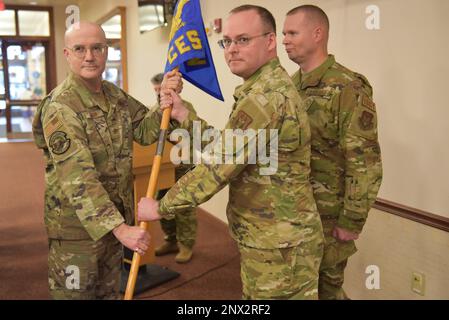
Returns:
(157, 79)
(313, 12)
(265, 15)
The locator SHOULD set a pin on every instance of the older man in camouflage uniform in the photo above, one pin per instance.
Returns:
(272, 217)
(180, 232)
(86, 129)
(346, 162)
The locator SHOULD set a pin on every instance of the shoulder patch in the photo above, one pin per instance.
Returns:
(52, 125)
(242, 120)
(366, 121)
(59, 143)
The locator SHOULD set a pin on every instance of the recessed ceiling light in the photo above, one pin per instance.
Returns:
(33, 3)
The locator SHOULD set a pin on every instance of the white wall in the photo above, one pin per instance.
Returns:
(399, 247)
(62, 68)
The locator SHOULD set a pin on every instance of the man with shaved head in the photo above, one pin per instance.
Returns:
(346, 162)
(86, 128)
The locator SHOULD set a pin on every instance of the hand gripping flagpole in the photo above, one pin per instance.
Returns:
(187, 19)
(151, 191)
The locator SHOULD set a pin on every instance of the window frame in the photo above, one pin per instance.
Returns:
(50, 57)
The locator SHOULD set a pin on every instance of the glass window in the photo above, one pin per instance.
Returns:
(22, 118)
(26, 72)
(114, 54)
(34, 23)
(113, 27)
(113, 70)
(8, 24)
(150, 16)
(2, 82)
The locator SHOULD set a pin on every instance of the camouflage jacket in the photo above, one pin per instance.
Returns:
(87, 146)
(264, 211)
(346, 161)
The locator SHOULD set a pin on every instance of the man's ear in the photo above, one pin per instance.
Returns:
(66, 53)
(271, 41)
(318, 34)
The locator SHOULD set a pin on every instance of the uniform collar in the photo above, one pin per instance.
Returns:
(313, 78)
(87, 97)
(265, 69)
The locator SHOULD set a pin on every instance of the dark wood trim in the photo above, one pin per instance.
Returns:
(26, 7)
(124, 48)
(413, 214)
(51, 56)
(14, 39)
(6, 83)
(24, 103)
(16, 21)
(149, 2)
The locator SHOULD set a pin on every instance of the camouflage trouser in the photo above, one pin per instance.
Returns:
(290, 273)
(333, 265)
(183, 227)
(85, 269)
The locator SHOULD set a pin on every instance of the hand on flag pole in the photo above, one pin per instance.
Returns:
(188, 54)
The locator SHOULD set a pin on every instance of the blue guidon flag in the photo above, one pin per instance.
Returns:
(189, 49)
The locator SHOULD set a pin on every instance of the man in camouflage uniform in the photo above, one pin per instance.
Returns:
(180, 232)
(86, 129)
(346, 162)
(273, 217)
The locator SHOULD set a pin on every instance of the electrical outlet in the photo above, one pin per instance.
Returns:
(418, 283)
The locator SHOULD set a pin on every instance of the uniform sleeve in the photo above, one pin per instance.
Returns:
(146, 123)
(205, 180)
(363, 166)
(194, 122)
(77, 177)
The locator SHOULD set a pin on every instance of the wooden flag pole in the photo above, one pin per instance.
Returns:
(151, 191)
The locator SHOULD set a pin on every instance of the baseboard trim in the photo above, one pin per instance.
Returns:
(413, 214)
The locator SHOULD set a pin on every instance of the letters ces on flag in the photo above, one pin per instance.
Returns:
(189, 48)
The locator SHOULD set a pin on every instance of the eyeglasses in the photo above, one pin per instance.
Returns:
(81, 51)
(240, 42)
